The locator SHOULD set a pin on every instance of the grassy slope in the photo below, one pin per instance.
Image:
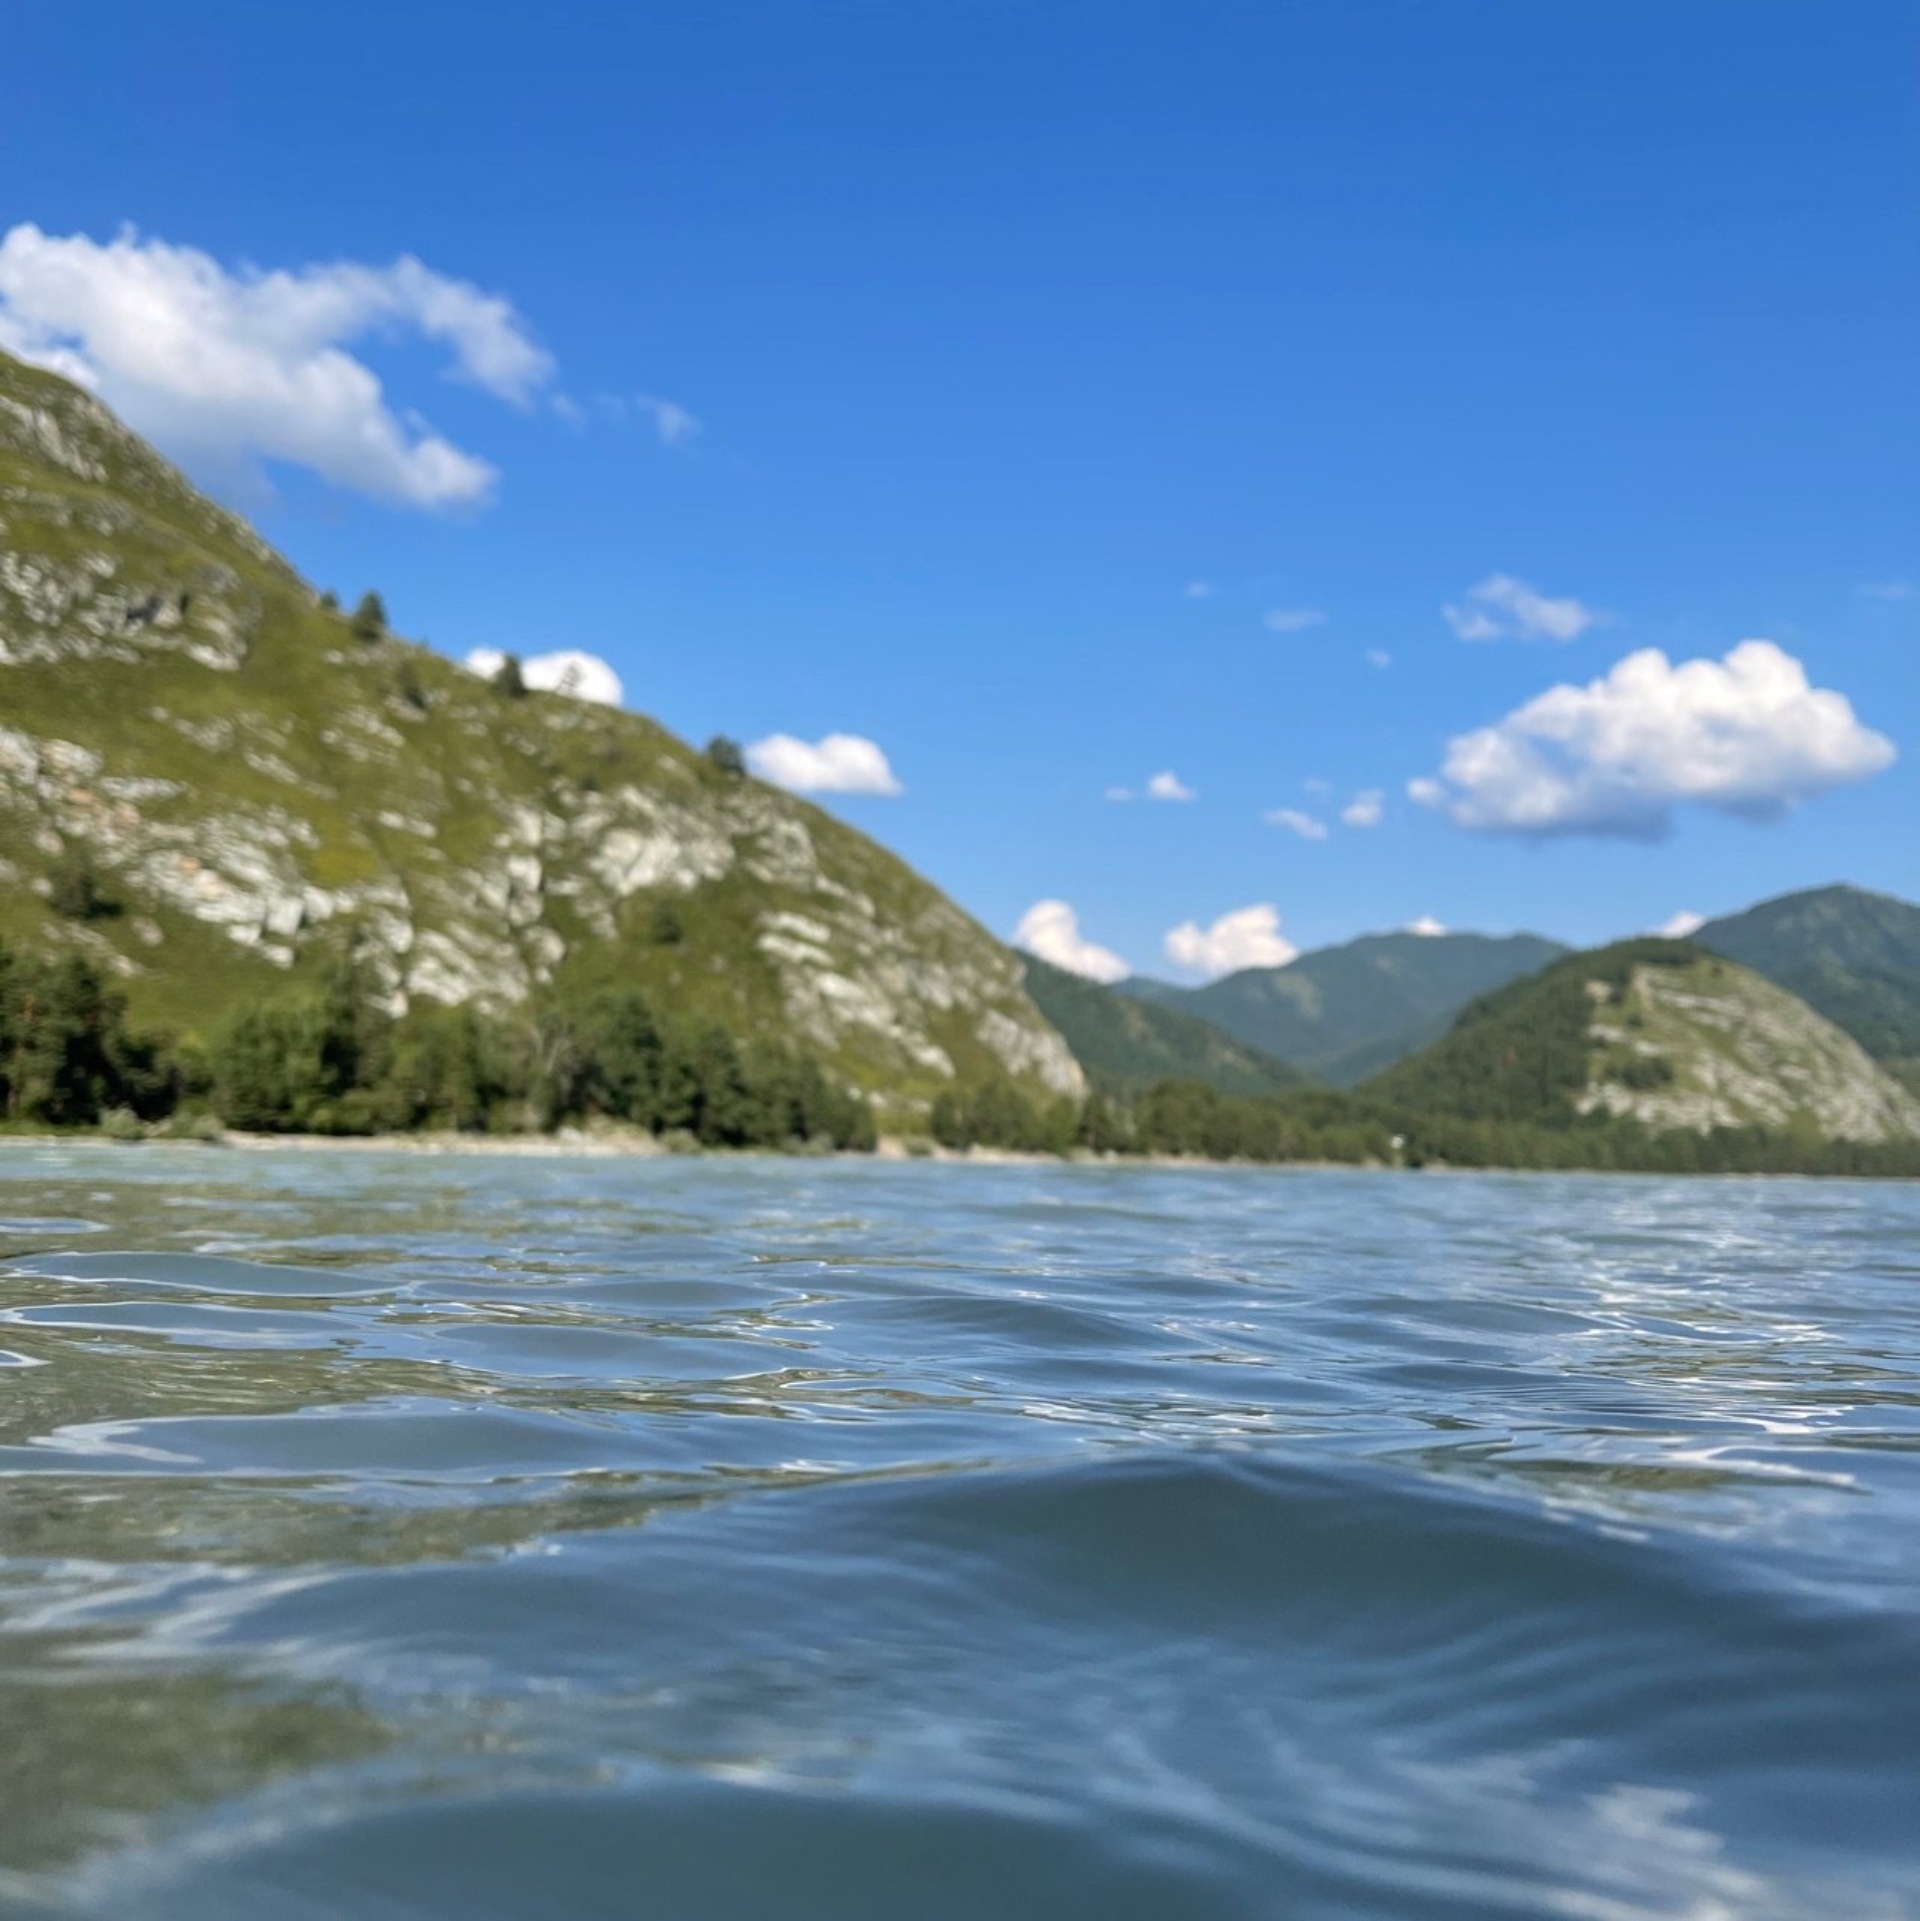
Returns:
(1851, 955)
(180, 650)
(1126, 1044)
(1343, 1013)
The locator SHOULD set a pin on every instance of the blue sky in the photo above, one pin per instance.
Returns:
(902, 372)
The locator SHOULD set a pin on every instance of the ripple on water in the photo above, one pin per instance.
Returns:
(773, 1539)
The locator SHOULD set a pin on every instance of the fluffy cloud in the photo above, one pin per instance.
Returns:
(1168, 786)
(1426, 926)
(1294, 620)
(1248, 937)
(1680, 925)
(838, 764)
(1886, 589)
(235, 368)
(1379, 659)
(1296, 822)
(1746, 734)
(1199, 589)
(1051, 929)
(1502, 608)
(582, 676)
(1364, 809)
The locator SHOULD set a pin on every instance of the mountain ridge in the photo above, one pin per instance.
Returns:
(1848, 952)
(1340, 1013)
(1125, 1044)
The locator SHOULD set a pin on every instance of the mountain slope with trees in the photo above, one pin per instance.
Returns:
(1851, 955)
(1342, 1013)
(217, 788)
(1658, 1034)
(1126, 1044)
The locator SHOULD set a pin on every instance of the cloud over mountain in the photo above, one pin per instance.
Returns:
(1247, 937)
(1747, 735)
(1051, 929)
(568, 671)
(835, 764)
(234, 368)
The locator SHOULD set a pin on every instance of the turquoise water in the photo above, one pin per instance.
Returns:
(388, 1536)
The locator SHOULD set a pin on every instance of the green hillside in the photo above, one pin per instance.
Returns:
(1343, 1013)
(1655, 1033)
(1852, 955)
(209, 776)
(1125, 1044)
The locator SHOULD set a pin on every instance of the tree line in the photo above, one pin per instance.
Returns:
(1184, 1119)
(332, 1058)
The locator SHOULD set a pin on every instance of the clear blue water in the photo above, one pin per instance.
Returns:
(392, 1537)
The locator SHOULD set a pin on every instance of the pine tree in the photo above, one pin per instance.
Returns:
(369, 620)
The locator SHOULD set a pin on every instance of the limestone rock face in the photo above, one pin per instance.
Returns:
(245, 777)
(1733, 1050)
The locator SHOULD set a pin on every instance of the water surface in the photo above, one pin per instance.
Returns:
(393, 1536)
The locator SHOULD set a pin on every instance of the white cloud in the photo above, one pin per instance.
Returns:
(1296, 822)
(1746, 734)
(1364, 809)
(1886, 589)
(1378, 657)
(1247, 937)
(1119, 793)
(1168, 786)
(1051, 929)
(570, 672)
(238, 367)
(1502, 608)
(1426, 926)
(837, 764)
(1680, 925)
(1199, 589)
(1294, 620)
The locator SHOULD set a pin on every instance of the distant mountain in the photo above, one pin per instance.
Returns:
(1343, 1013)
(1125, 1044)
(1851, 955)
(1659, 1032)
(210, 777)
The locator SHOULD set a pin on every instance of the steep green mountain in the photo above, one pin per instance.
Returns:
(1656, 1032)
(1342, 1013)
(207, 775)
(1851, 955)
(1126, 1044)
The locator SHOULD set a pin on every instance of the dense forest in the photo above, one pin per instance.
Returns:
(329, 1058)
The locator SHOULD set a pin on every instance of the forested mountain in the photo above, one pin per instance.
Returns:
(214, 785)
(1658, 1033)
(1342, 1013)
(1851, 955)
(1126, 1044)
